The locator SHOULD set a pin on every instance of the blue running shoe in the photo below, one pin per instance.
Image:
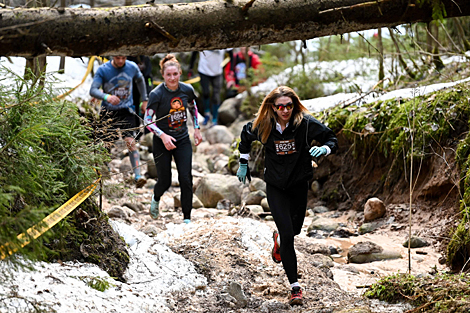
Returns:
(154, 211)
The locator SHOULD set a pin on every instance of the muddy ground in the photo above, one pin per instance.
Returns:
(214, 243)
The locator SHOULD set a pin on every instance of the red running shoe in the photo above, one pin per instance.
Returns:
(296, 296)
(276, 253)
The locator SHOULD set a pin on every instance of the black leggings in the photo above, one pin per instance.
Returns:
(216, 82)
(288, 210)
(183, 159)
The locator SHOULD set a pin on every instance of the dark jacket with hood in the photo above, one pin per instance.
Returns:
(284, 169)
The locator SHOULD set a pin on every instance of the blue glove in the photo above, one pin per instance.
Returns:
(317, 151)
(243, 172)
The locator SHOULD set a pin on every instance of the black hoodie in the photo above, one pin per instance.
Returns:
(286, 164)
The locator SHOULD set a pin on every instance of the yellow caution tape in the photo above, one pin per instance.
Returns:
(49, 221)
(88, 71)
(225, 62)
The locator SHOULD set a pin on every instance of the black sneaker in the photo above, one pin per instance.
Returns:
(296, 296)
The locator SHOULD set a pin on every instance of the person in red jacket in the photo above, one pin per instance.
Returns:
(237, 70)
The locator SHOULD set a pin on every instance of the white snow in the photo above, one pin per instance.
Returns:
(154, 271)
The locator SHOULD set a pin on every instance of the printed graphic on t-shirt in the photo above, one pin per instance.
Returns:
(177, 114)
(119, 86)
(284, 147)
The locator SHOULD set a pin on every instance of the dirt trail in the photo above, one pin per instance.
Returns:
(236, 249)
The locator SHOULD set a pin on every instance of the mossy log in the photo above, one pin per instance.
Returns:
(150, 29)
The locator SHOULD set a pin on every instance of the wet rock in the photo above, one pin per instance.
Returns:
(343, 233)
(245, 192)
(229, 110)
(416, 242)
(120, 212)
(333, 250)
(221, 165)
(224, 204)
(321, 223)
(365, 248)
(265, 205)
(257, 184)
(136, 207)
(274, 306)
(219, 134)
(200, 162)
(349, 268)
(215, 187)
(318, 248)
(320, 209)
(369, 227)
(323, 263)
(320, 260)
(208, 149)
(196, 202)
(255, 209)
(315, 187)
(365, 252)
(150, 230)
(234, 289)
(150, 183)
(254, 197)
(353, 310)
(373, 209)
(315, 234)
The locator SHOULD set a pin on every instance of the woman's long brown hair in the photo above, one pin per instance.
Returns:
(266, 116)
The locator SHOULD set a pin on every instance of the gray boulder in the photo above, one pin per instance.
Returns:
(215, 187)
(257, 184)
(219, 134)
(322, 223)
(229, 111)
(373, 209)
(416, 242)
(365, 252)
(255, 197)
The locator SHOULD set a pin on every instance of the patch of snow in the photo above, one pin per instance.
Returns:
(153, 272)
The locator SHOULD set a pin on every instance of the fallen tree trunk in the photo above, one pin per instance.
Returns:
(149, 29)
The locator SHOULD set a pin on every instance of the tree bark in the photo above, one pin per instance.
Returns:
(380, 47)
(399, 56)
(465, 43)
(149, 29)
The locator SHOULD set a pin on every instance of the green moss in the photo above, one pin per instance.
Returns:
(97, 283)
(388, 126)
(439, 293)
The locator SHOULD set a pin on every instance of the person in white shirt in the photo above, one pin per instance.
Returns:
(211, 73)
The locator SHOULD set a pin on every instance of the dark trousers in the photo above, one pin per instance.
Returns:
(288, 210)
(211, 104)
(113, 121)
(183, 159)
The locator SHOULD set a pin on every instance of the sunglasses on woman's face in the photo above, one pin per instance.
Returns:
(280, 107)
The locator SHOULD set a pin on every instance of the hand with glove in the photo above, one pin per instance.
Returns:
(243, 171)
(317, 151)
